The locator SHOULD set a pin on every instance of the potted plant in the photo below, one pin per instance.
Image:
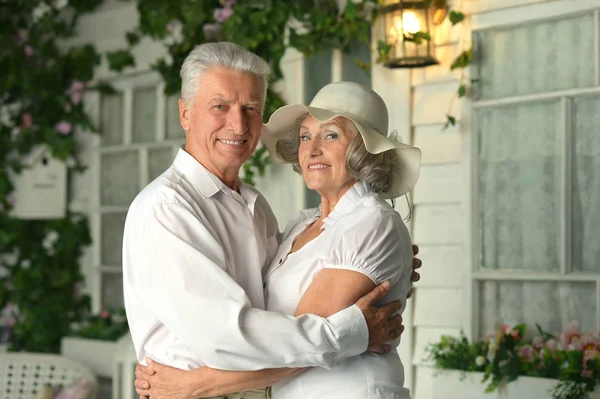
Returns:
(93, 341)
(562, 366)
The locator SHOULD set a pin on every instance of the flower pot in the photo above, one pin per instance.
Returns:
(452, 384)
(96, 354)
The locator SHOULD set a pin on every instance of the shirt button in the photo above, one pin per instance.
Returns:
(264, 285)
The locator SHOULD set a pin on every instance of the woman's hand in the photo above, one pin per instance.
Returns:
(417, 263)
(159, 381)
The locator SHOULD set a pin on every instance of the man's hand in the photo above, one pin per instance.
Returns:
(382, 328)
(415, 276)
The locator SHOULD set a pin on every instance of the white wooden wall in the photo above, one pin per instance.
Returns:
(441, 220)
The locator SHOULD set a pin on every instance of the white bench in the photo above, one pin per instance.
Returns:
(23, 375)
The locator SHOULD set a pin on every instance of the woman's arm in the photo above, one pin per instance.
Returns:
(333, 290)
(159, 381)
(336, 289)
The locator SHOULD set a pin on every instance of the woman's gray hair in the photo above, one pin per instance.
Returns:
(219, 54)
(374, 169)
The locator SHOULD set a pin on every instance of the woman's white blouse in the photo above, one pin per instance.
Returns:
(362, 233)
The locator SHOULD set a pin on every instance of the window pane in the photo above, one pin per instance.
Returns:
(173, 129)
(144, 115)
(549, 304)
(119, 174)
(159, 159)
(112, 290)
(111, 119)
(519, 196)
(586, 185)
(539, 57)
(112, 238)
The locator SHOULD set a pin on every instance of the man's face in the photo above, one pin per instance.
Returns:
(223, 127)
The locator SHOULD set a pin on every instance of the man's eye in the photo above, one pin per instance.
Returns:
(219, 106)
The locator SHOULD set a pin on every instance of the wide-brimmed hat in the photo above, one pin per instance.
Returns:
(369, 113)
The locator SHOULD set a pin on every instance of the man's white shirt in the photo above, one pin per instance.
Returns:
(193, 255)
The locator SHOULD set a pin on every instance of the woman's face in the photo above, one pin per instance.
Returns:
(322, 155)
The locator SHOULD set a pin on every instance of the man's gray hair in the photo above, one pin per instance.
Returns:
(374, 169)
(219, 54)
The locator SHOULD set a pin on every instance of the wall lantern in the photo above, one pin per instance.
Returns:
(408, 31)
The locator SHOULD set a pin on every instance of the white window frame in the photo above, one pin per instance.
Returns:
(513, 17)
(126, 85)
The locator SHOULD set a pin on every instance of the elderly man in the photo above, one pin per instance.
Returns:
(196, 240)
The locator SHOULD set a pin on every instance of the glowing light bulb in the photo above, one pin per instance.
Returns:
(410, 22)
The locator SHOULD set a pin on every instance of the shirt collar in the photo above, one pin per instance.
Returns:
(207, 184)
(347, 203)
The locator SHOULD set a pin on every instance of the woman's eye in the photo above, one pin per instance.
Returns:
(331, 135)
(304, 138)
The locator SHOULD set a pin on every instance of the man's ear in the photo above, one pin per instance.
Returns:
(184, 116)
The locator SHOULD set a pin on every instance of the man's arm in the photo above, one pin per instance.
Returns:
(159, 381)
(184, 283)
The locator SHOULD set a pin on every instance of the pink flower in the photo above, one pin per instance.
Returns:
(526, 353)
(575, 344)
(587, 373)
(76, 91)
(590, 354)
(552, 344)
(221, 14)
(172, 25)
(63, 127)
(211, 28)
(570, 333)
(28, 51)
(538, 342)
(22, 37)
(26, 121)
(105, 314)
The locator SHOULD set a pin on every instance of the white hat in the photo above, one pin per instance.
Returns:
(369, 113)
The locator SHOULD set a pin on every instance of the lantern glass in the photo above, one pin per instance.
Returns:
(408, 30)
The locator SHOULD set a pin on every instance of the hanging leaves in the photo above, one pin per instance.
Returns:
(463, 60)
(456, 17)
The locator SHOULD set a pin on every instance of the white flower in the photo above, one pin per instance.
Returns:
(480, 360)
(26, 263)
(75, 326)
(60, 4)
(40, 11)
(4, 272)
(299, 27)
(11, 258)
(49, 241)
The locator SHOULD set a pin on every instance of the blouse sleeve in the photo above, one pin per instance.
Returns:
(375, 243)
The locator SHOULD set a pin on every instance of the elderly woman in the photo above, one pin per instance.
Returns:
(332, 255)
